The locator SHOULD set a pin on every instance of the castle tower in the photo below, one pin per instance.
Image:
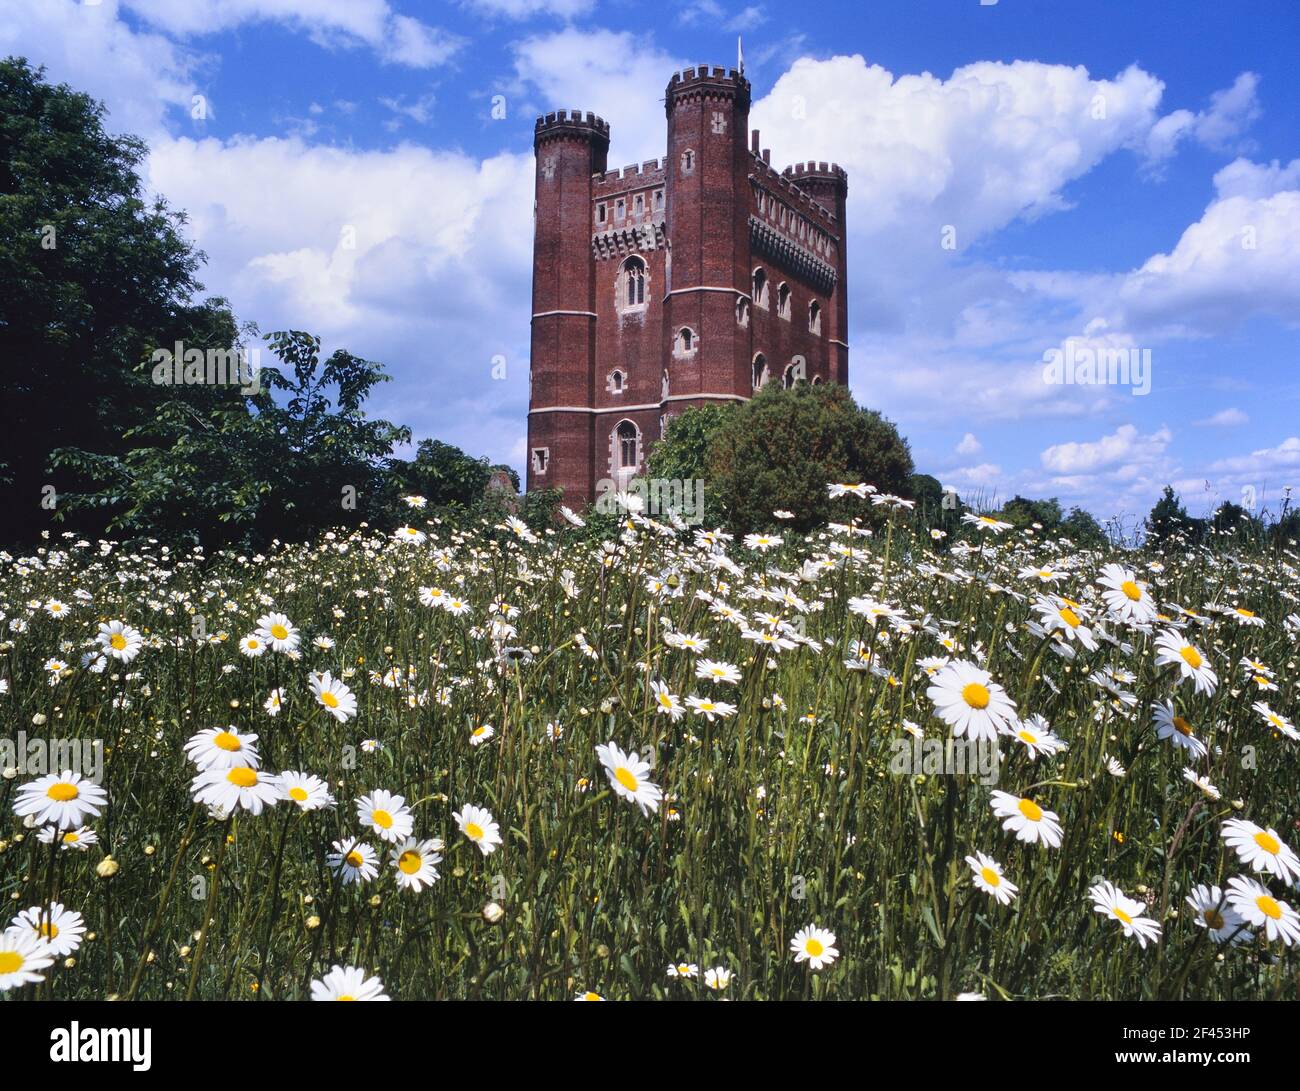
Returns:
(570, 148)
(828, 185)
(690, 280)
(708, 236)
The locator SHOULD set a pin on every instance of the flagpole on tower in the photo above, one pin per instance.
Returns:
(740, 56)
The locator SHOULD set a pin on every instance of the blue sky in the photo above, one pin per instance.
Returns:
(1117, 176)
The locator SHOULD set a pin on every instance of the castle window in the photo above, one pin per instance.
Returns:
(616, 382)
(541, 458)
(626, 448)
(742, 311)
(688, 161)
(783, 301)
(620, 210)
(600, 214)
(797, 372)
(814, 317)
(685, 341)
(663, 387)
(632, 283)
(760, 371)
(640, 203)
(760, 289)
(659, 198)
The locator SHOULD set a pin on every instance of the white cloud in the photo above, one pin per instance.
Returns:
(397, 38)
(982, 475)
(140, 76)
(1225, 418)
(615, 75)
(525, 9)
(348, 244)
(1124, 446)
(969, 445)
(1231, 112)
(1285, 455)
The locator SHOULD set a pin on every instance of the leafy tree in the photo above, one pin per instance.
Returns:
(1168, 517)
(1020, 511)
(95, 279)
(249, 467)
(1083, 529)
(779, 450)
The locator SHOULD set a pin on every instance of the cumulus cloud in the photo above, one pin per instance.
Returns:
(969, 445)
(1225, 418)
(141, 76)
(1219, 127)
(348, 244)
(615, 75)
(331, 23)
(526, 9)
(1124, 446)
(1285, 455)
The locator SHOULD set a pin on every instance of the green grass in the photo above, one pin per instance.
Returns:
(783, 815)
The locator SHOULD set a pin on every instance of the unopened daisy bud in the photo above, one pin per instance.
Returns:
(1238, 804)
(234, 703)
(185, 951)
(375, 901)
(149, 850)
(106, 868)
(493, 912)
(313, 922)
(38, 719)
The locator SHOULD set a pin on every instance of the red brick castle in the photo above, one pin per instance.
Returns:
(679, 282)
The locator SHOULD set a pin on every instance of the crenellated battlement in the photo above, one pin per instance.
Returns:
(560, 123)
(652, 170)
(829, 171)
(706, 81)
(784, 185)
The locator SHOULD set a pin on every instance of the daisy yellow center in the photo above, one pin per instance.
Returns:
(409, 862)
(118, 641)
(1245, 613)
(226, 741)
(1070, 618)
(1030, 810)
(328, 699)
(253, 643)
(473, 831)
(297, 794)
(1122, 916)
(1268, 842)
(10, 962)
(1131, 590)
(1182, 726)
(354, 858)
(975, 695)
(1214, 919)
(665, 700)
(1269, 907)
(48, 930)
(1191, 657)
(1274, 719)
(279, 632)
(1027, 736)
(626, 779)
(71, 838)
(242, 778)
(346, 996)
(382, 819)
(990, 876)
(814, 947)
(62, 791)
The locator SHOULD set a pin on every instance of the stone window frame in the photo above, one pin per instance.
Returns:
(616, 381)
(540, 464)
(686, 342)
(622, 291)
(616, 449)
(796, 371)
(758, 373)
(758, 287)
(815, 318)
(784, 301)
